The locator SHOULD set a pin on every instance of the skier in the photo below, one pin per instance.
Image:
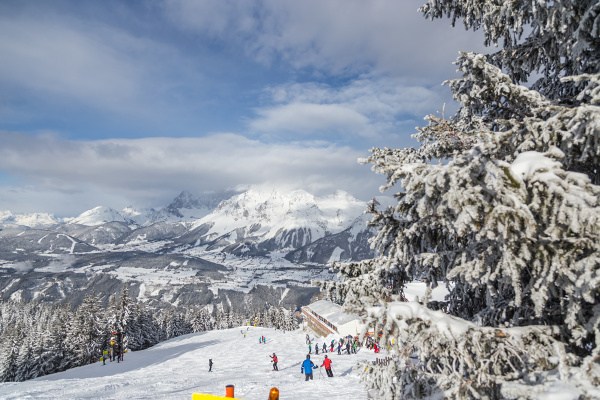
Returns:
(307, 368)
(210, 364)
(274, 361)
(317, 348)
(324, 348)
(104, 356)
(309, 348)
(348, 347)
(331, 348)
(327, 365)
(119, 353)
(339, 348)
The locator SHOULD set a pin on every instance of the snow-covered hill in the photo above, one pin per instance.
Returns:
(98, 216)
(179, 367)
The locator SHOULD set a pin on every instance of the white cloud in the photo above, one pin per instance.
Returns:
(368, 107)
(150, 172)
(338, 36)
(311, 118)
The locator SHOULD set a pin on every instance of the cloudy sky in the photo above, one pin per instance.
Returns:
(122, 103)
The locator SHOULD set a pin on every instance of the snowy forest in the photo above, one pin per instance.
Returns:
(37, 339)
(500, 203)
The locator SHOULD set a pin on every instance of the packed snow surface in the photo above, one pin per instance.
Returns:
(179, 367)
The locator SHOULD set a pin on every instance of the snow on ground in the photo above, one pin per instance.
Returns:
(179, 367)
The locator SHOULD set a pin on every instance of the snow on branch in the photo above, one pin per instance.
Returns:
(465, 360)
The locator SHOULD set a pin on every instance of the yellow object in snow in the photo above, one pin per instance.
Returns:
(202, 396)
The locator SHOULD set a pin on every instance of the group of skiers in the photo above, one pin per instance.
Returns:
(112, 353)
(349, 344)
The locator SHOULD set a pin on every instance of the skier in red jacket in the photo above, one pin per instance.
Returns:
(327, 365)
(274, 361)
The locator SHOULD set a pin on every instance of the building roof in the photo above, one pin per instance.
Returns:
(332, 312)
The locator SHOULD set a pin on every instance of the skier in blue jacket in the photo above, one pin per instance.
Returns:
(307, 368)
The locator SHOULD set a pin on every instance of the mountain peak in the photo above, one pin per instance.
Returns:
(31, 220)
(98, 216)
(188, 206)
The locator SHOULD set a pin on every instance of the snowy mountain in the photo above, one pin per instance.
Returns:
(98, 216)
(179, 367)
(193, 246)
(31, 220)
(258, 222)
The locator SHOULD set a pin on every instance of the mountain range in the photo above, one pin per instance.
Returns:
(218, 247)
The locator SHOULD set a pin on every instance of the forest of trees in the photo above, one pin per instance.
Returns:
(37, 339)
(500, 203)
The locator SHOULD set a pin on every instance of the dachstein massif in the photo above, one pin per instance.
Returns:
(230, 248)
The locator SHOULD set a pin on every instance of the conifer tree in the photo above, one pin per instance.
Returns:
(499, 203)
(86, 334)
(9, 350)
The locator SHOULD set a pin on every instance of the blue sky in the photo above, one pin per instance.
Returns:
(122, 103)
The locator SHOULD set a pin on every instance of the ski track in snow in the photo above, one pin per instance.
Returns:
(179, 367)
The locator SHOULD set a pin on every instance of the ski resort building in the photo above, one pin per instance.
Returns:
(325, 318)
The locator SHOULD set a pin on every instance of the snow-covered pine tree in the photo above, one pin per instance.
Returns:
(53, 341)
(498, 203)
(9, 352)
(290, 323)
(86, 333)
(200, 319)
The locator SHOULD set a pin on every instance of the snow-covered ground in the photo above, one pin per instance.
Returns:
(179, 367)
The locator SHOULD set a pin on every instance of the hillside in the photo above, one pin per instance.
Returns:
(179, 367)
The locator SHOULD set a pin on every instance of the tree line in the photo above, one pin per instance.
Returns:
(37, 339)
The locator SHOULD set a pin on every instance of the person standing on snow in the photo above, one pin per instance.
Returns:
(324, 348)
(317, 348)
(331, 348)
(119, 353)
(274, 361)
(210, 363)
(327, 365)
(307, 368)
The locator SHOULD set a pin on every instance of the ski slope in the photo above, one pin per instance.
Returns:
(179, 367)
